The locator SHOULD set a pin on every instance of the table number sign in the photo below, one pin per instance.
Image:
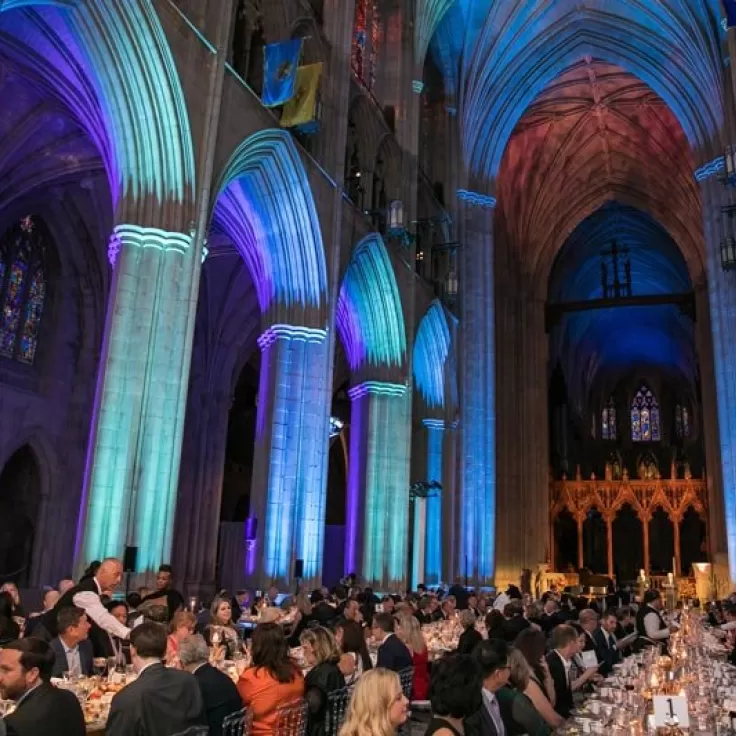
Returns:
(670, 710)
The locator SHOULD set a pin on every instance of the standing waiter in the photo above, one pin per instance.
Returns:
(86, 595)
(649, 621)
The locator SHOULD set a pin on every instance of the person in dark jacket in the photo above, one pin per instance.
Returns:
(470, 636)
(220, 696)
(393, 654)
(322, 654)
(40, 708)
(162, 700)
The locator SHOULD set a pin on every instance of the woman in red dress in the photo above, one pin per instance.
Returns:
(410, 633)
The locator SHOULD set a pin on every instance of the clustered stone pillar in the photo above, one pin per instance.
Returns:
(722, 297)
(477, 513)
(135, 445)
(433, 544)
(292, 425)
(376, 533)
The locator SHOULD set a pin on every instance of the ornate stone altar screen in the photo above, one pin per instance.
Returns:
(609, 496)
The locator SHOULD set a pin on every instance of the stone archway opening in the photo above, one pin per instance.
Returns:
(20, 500)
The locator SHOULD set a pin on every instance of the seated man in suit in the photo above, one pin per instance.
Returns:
(608, 650)
(162, 701)
(516, 622)
(559, 660)
(220, 696)
(72, 648)
(588, 620)
(40, 708)
(393, 654)
(491, 658)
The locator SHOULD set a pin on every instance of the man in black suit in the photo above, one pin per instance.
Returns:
(72, 649)
(40, 708)
(559, 660)
(162, 701)
(220, 696)
(393, 654)
(491, 658)
(607, 648)
(516, 622)
(322, 611)
(552, 615)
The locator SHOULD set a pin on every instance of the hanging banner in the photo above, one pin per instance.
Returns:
(301, 109)
(281, 61)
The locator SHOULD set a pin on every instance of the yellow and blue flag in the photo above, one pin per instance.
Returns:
(302, 107)
(281, 61)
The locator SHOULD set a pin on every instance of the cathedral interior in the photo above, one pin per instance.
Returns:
(475, 314)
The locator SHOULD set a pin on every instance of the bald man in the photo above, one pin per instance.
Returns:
(86, 595)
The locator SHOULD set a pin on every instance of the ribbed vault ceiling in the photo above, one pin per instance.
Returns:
(596, 134)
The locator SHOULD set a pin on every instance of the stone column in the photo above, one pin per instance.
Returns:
(581, 555)
(645, 534)
(433, 545)
(135, 444)
(292, 426)
(676, 529)
(477, 515)
(609, 544)
(376, 533)
(722, 298)
(419, 542)
(450, 516)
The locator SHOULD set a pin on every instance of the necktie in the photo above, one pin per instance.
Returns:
(496, 715)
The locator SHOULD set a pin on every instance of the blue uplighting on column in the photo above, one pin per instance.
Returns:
(433, 549)
(431, 347)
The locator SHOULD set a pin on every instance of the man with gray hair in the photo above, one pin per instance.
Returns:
(588, 620)
(221, 697)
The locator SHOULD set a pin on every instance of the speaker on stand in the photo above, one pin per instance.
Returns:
(130, 559)
(298, 573)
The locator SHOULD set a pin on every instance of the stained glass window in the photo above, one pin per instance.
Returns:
(366, 41)
(682, 421)
(360, 37)
(22, 290)
(644, 417)
(608, 421)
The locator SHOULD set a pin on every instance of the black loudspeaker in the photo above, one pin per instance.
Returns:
(299, 569)
(130, 558)
(251, 529)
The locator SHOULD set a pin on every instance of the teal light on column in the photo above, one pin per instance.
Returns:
(433, 544)
(431, 348)
(265, 205)
(369, 315)
(132, 469)
(291, 444)
(378, 484)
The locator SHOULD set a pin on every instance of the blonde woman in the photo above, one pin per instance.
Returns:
(410, 633)
(377, 706)
(322, 655)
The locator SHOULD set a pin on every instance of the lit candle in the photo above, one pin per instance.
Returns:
(670, 578)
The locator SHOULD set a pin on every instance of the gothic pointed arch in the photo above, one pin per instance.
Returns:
(370, 318)
(645, 416)
(265, 205)
(431, 351)
(121, 86)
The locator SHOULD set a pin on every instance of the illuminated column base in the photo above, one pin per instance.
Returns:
(135, 444)
(288, 490)
(376, 531)
(419, 546)
(433, 556)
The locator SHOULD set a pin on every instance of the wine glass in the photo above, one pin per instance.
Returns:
(99, 665)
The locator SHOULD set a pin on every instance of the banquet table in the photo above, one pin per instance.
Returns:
(695, 668)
